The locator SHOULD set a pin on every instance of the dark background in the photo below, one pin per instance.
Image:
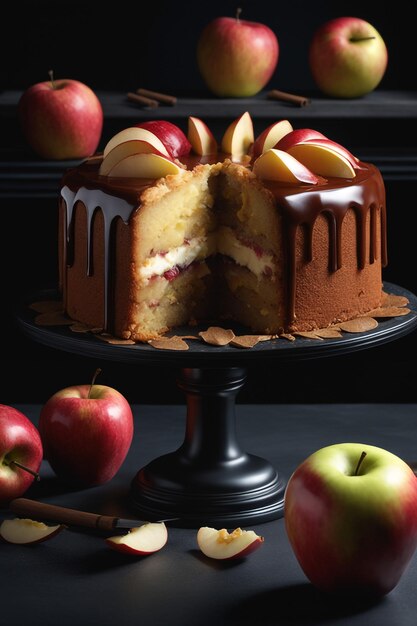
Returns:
(124, 45)
(152, 44)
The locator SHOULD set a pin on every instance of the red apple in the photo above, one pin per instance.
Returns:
(171, 135)
(21, 453)
(236, 57)
(351, 518)
(140, 541)
(27, 531)
(61, 119)
(347, 57)
(220, 544)
(86, 431)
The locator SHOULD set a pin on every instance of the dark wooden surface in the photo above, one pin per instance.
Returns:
(76, 579)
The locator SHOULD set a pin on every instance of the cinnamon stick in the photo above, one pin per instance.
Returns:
(160, 97)
(149, 102)
(284, 96)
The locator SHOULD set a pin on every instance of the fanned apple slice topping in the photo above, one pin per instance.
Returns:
(201, 138)
(239, 137)
(280, 166)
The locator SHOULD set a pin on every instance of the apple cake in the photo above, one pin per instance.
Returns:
(280, 233)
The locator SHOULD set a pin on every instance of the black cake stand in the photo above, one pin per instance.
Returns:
(209, 479)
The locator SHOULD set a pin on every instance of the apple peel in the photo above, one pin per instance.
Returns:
(141, 541)
(222, 545)
(25, 531)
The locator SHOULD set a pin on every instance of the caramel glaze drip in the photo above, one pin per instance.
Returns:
(300, 206)
(300, 209)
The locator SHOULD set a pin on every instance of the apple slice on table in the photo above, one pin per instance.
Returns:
(143, 540)
(200, 136)
(270, 137)
(171, 135)
(239, 136)
(137, 134)
(296, 136)
(325, 160)
(280, 166)
(145, 166)
(220, 544)
(27, 531)
(125, 149)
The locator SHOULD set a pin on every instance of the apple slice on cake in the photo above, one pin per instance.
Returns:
(280, 166)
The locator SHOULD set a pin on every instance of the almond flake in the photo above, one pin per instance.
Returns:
(169, 343)
(328, 333)
(245, 341)
(217, 336)
(287, 336)
(391, 299)
(45, 306)
(359, 325)
(389, 311)
(309, 334)
(53, 318)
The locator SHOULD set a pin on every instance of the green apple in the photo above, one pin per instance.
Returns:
(351, 518)
(348, 57)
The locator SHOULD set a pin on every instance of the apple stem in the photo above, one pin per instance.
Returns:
(96, 373)
(355, 39)
(361, 458)
(51, 78)
(27, 469)
(238, 12)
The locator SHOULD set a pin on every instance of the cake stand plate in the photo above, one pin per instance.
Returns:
(209, 479)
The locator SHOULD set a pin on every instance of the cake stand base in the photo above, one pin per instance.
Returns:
(209, 480)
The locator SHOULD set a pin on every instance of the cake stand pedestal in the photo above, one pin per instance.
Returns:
(209, 479)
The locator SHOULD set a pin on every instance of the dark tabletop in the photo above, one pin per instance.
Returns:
(76, 579)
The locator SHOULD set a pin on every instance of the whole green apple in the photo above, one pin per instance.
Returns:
(236, 57)
(351, 518)
(347, 57)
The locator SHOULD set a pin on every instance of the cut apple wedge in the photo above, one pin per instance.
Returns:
(280, 166)
(27, 531)
(171, 135)
(333, 145)
(296, 136)
(125, 149)
(323, 160)
(239, 136)
(145, 166)
(220, 544)
(138, 134)
(270, 137)
(143, 540)
(200, 136)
